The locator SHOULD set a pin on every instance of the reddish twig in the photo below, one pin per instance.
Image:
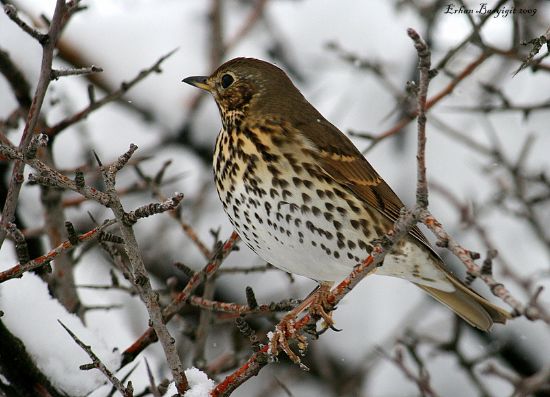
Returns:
(19, 269)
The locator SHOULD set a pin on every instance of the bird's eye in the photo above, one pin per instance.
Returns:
(227, 80)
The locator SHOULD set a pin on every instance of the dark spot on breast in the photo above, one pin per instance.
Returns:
(364, 246)
(276, 139)
(340, 193)
(353, 207)
(286, 194)
(273, 170)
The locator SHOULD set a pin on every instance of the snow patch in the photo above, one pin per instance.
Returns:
(199, 383)
(31, 314)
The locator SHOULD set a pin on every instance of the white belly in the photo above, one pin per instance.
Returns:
(302, 239)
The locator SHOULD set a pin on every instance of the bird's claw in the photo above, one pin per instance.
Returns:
(279, 339)
(319, 308)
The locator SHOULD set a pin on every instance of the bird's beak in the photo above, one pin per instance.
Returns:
(198, 81)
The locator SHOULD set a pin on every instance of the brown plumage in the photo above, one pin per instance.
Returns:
(303, 197)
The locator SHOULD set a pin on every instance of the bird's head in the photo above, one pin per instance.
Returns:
(248, 85)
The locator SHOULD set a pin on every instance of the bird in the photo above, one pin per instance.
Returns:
(303, 197)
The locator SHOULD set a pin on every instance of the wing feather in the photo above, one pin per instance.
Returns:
(344, 163)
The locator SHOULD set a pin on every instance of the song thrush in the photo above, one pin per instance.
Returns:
(303, 197)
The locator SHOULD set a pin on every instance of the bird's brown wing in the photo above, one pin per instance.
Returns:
(343, 162)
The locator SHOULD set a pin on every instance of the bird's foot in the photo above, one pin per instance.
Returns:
(321, 307)
(284, 332)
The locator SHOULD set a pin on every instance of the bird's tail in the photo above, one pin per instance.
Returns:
(469, 305)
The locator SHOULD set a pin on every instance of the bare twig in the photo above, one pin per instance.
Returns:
(405, 120)
(57, 73)
(424, 65)
(11, 12)
(19, 269)
(124, 87)
(422, 380)
(51, 177)
(180, 299)
(97, 363)
(48, 47)
(139, 273)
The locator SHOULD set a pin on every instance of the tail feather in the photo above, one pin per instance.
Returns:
(470, 306)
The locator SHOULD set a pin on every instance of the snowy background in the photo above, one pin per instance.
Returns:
(125, 36)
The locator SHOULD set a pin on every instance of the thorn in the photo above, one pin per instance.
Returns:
(97, 158)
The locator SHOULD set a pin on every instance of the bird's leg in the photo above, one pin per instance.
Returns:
(317, 304)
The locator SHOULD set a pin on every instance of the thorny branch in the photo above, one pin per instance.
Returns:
(139, 273)
(44, 260)
(181, 298)
(48, 48)
(97, 363)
